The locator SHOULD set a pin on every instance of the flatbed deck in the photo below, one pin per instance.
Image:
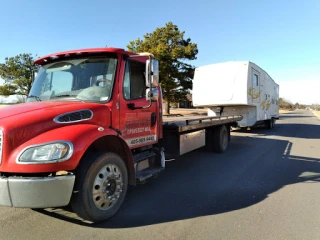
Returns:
(189, 123)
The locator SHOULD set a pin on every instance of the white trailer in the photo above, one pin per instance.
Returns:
(237, 88)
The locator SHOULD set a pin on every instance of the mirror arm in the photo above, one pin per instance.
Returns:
(150, 84)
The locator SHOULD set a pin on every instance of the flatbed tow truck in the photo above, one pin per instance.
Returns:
(93, 125)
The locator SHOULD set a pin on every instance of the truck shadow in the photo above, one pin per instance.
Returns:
(202, 183)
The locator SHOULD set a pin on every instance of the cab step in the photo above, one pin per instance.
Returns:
(138, 157)
(148, 172)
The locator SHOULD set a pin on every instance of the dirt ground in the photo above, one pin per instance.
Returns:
(284, 111)
(316, 113)
(186, 111)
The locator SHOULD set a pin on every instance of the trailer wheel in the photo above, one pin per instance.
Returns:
(220, 139)
(101, 186)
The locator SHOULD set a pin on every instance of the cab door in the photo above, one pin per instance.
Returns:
(138, 120)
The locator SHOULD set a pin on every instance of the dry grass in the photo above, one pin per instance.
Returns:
(283, 111)
(316, 113)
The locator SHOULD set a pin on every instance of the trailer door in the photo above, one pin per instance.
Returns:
(255, 90)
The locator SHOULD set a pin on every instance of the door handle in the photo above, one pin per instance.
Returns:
(153, 119)
(131, 106)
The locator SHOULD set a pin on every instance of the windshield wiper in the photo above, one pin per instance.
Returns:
(63, 95)
(36, 97)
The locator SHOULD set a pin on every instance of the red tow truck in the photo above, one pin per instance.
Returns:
(92, 125)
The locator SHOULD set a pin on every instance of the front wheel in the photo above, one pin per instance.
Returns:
(101, 186)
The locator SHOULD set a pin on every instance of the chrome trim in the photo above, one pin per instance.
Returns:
(36, 192)
(57, 117)
(71, 149)
(1, 145)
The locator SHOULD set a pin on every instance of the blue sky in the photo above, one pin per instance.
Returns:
(282, 37)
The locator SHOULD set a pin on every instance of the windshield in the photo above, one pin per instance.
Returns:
(86, 79)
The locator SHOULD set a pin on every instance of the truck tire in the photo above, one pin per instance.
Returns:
(100, 187)
(220, 139)
(270, 123)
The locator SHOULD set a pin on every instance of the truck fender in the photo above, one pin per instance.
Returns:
(84, 138)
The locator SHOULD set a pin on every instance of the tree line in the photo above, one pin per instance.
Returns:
(287, 105)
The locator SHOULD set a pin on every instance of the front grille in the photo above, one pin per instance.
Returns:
(77, 116)
(1, 145)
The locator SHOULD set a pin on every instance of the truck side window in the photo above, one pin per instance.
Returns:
(134, 80)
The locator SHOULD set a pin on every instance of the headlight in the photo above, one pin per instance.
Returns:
(47, 153)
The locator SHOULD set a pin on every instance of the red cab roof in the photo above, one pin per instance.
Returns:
(44, 59)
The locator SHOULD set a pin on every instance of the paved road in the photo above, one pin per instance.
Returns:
(265, 187)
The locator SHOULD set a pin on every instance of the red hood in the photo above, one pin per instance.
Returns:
(14, 110)
(44, 108)
(22, 122)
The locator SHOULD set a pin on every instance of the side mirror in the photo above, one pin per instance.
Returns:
(152, 73)
(152, 95)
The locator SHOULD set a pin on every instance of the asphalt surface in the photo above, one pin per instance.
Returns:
(266, 186)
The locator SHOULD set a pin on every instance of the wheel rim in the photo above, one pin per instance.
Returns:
(107, 187)
(224, 139)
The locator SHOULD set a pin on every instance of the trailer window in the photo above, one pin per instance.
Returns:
(134, 80)
(255, 80)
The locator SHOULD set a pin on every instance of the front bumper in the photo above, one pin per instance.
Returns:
(36, 192)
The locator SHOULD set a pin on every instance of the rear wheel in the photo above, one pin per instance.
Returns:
(220, 139)
(270, 123)
(101, 186)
